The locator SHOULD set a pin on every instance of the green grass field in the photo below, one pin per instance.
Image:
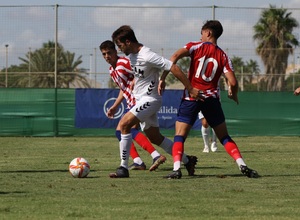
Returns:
(36, 184)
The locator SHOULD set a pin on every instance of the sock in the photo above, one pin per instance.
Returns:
(240, 162)
(155, 154)
(137, 160)
(232, 149)
(167, 145)
(144, 142)
(118, 134)
(133, 151)
(178, 149)
(213, 136)
(184, 159)
(205, 135)
(125, 144)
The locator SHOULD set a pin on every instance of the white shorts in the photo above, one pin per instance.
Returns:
(200, 115)
(146, 111)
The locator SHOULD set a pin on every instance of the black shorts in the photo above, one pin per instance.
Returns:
(211, 109)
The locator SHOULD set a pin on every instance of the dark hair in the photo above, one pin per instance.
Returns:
(124, 33)
(108, 44)
(214, 26)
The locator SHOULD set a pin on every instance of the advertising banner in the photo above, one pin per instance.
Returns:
(92, 105)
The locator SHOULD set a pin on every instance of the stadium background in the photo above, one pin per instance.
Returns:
(80, 29)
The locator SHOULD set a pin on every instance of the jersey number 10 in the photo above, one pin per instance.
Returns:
(202, 68)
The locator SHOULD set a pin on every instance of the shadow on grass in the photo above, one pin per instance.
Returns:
(47, 171)
(182, 168)
(13, 192)
(38, 171)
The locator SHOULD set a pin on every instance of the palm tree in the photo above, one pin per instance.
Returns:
(41, 63)
(66, 68)
(273, 32)
(252, 67)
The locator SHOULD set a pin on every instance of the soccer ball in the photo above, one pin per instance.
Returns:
(79, 167)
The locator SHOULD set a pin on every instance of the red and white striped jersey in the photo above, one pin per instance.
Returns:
(208, 63)
(123, 76)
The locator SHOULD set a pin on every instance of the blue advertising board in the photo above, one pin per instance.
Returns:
(92, 105)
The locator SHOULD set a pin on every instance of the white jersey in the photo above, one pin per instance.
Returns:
(147, 66)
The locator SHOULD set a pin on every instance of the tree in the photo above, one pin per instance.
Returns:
(252, 67)
(245, 72)
(184, 65)
(40, 65)
(273, 32)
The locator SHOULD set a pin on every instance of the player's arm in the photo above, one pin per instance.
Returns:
(232, 86)
(177, 72)
(112, 110)
(180, 53)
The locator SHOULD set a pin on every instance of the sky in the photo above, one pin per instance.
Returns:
(29, 27)
(239, 3)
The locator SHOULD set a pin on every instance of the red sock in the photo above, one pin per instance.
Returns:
(143, 141)
(232, 150)
(177, 151)
(133, 152)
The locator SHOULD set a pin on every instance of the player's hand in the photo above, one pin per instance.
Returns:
(196, 94)
(161, 87)
(111, 113)
(232, 95)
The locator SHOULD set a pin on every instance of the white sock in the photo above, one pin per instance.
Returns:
(240, 162)
(176, 165)
(205, 135)
(213, 136)
(138, 160)
(155, 154)
(125, 144)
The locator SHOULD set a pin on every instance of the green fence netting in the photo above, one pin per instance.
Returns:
(51, 112)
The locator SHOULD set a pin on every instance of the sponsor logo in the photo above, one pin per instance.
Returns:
(108, 103)
(168, 110)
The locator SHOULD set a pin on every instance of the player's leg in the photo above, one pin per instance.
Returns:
(215, 117)
(144, 142)
(205, 129)
(158, 139)
(233, 150)
(214, 146)
(148, 116)
(138, 164)
(187, 115)
(182, 129)
(125, 124)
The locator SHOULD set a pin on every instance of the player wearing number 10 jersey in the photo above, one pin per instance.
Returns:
(206, 68)
(208, 63)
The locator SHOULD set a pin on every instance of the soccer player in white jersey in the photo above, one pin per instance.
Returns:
(146, 66)
(208, 63)
(122, 74)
